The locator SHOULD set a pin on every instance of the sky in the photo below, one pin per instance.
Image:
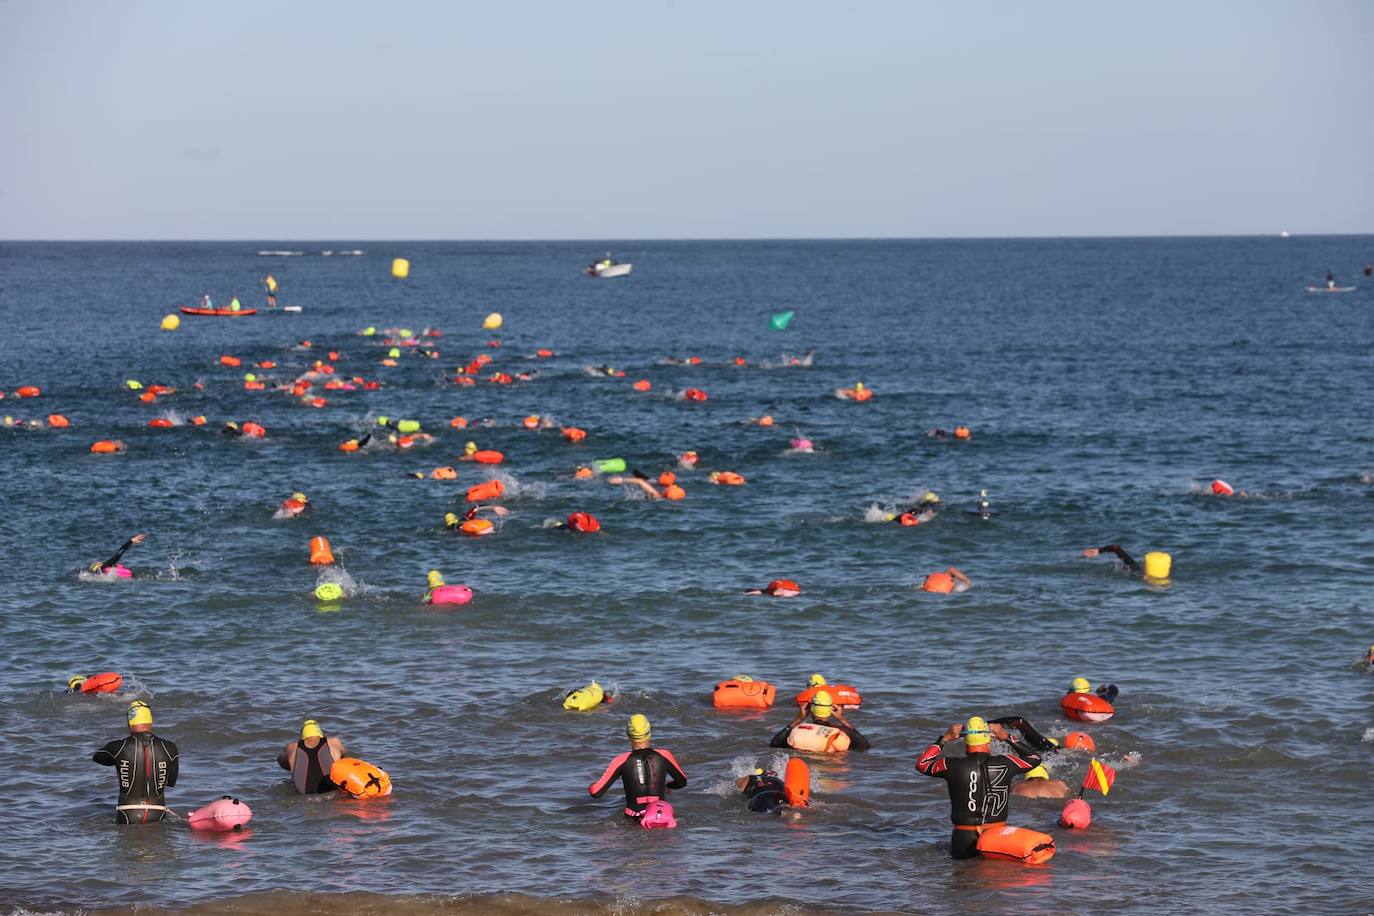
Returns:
(409, 119)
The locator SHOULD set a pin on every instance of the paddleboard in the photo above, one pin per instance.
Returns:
(1331, 289)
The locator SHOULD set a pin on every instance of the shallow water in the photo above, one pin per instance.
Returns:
(1106, 382)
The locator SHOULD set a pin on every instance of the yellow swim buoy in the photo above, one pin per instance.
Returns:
(1157, 564)
(400, 268)
(171, 322)
(492, 321)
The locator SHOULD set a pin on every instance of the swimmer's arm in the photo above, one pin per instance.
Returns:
(107, 755)
(598, 788)
(336, 747)
(676, 778)
(173, 762)
(118, 554)
(957, 574)
(284, 758)
(1125, 557)
(780, 739)
(857, 742)
(741, 783)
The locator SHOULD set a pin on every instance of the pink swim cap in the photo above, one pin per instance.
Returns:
(1076, 815)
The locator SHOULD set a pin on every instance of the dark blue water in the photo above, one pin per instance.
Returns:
(1107, 382)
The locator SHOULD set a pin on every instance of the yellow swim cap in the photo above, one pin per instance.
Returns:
(1038, 773)
(75, 682)
(858, 386)
(469, 448)
(436, 578)
(140, 713)
(299, 497)
(976, 732)
(742, 677)
(816, 681)
(822, 705)
(311, 729)
(134, 384)
(930, 496)
(1080, 685)
(329, 591)
(394, 353)
(369, 331)
(638, 728)
(450, 520)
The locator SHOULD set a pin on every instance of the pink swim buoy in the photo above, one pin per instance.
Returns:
(802, 445)
(1077, 815)
(658, 816)
(450, 594)
(118, 571)
(220, 816)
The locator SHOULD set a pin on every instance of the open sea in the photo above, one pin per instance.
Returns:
(1106, 384)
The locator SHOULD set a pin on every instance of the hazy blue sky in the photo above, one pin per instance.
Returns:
(410, 120)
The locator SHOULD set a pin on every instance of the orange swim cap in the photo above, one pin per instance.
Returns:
(350, 446)
(198, 421)
(941, 582)
(543, 353)
(57, 421)
(1079, 741)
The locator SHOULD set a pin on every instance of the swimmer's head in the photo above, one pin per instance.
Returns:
(816, 680)
(140, 716)
(1080, 685)
(469, 448)
(450, 520)
(311, 729)
(743, 678)
(822, 705)
(928, 497)
(858, 386)
(299, 497)
(1038, 773)
(976, 733)
(638, 728)
(75, 683)
(435, 578)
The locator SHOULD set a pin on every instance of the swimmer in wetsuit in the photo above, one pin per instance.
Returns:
(310, 759)
(646, 773)
(145, 765)
(113, 561)
(822, 711)
(1126, 560)
(979, 783)
(763, 791)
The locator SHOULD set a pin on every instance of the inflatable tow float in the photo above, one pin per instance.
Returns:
(220, 816)
(360, 779)
(585, 698)
(1081, 705)
(1017, 844)
(743, 692)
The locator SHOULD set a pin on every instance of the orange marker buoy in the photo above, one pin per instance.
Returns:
(107, 446)
(642, 385)
(28, 391)
(57, 421)
(230, 361)
(320, 552)
(484, 492)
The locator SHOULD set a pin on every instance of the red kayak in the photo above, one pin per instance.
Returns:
(217, 313)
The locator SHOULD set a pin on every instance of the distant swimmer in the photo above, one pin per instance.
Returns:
(145, 765)
(822, 711)
(1369, 659)
(1157, 563)
(352, 445)
(951, 581)
(310, 759)
(1330, 280)
(646, 773)
(921, 512)
(1039, 784)
(297, 504)
(112, 566)
(960, 433)
(638, 481)
(778, 588)
(765, 792)
(1369, 270)
(979, 782)
(983, 508)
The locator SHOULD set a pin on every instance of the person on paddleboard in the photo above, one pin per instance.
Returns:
(823, 711)
(646, 773)
(145, 765)
(979, 782)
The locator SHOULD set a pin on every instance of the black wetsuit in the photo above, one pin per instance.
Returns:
(764, 793)
(979, 789)
(1131, 565)
(857, 742)
(114, 560)
(310, 767)
(145, 765)
(646, 775)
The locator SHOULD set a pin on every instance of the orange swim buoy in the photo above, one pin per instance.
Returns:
(147, 397)
(488, 456)
(674, 492)
(530, 422)
(28, 391)
(574, 434)
(765, 420)
(736, 694)
(267, 364)
(863, 394)
(292, 506)
(444, 473)
(907, 520)
(667, 479)
(160, 390)
(254, 386)
(160, 423)
(317, 402)
(797, 783)
(740, 361)
(584, 523)
(821, 739)
(940, 582)
(1086, 707)
(477, 527)
(694, 394)
(840, 695)
(458, 422)
(198, 421)
(543, 353)
(350, 446)
(230, 361)
(107, 446)
(359, 778)
(104, 682)
(1222, 488)
(782, 588)
(57, 421)
(1079, 741)
(320, 552)
(486, 491)
(642, 385)
(1017, 844)
(584, 473)
(962, 432)
(254, 430)
(727, 478)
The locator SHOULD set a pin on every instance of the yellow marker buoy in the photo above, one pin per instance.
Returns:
(492, 321)
(400, 268)
(171, 322)
(1157, 564)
